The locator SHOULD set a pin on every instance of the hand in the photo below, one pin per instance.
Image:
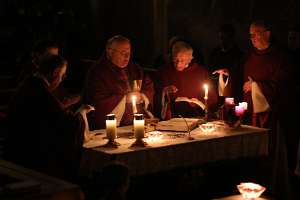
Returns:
(224, 71)
(138, 96)
(85, 108)
(247, 86)
(170, 89)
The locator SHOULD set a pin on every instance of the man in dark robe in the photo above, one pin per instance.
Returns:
(43, 135)
(109, 85)
(269, 89)
(224, 60)
(268, 67)
(184, 78)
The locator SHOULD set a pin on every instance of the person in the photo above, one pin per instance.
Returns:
(224, 60)
(40, 49)
(269, 89)
(110, 85)
(43, 49)
(164, 58)
(183, 78)
(266, 69)
(43, 135)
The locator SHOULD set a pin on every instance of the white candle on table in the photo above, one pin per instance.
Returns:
(111, 127)
(138, 126)
(134, 109)
(206, 91)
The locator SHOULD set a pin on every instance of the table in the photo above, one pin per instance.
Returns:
(174, 150)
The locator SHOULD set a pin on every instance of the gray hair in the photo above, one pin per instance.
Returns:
(116, 39)
(181, 46)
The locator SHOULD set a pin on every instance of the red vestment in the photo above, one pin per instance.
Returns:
(107, 84)
(189, 83)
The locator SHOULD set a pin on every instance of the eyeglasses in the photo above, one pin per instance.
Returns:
(122, 53)
(258, 33)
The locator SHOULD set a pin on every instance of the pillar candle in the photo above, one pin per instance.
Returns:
(239, 111)
(111, 126)
(244, 105)
(138, 126)
(229, 101)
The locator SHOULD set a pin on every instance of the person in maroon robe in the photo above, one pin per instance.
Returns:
(183, 78)
(268, 66)
(109, 85)
(43, 135)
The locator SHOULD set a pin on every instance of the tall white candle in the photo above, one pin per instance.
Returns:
(206, 91)
(111, 127)
(134, 109)
(138, 126)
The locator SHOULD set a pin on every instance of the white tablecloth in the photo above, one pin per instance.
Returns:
(174, 150)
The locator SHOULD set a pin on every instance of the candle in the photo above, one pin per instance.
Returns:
(206, 91)
(134, 109)
(229, 101)
(244, 105)
(239, 111)
(138, 126)
(111, 127)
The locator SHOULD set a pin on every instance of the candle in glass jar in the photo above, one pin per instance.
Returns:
(205, 91)
(138, 126)
(244, 105)
(239, 111)
(111, 127)
(134, 109)
(229, 100)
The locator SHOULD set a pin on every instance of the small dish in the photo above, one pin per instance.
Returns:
(250, 190)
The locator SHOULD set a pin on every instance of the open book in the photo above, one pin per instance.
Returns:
(178, 124)
(194, 100)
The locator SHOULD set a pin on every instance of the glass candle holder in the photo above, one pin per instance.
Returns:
(139, 130)
(111, 130)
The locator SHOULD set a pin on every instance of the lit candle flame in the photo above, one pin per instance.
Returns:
(206, 91)
(134, 109)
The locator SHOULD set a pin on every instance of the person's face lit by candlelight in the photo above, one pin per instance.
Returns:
(182, 55)
(118, 52)
(260, 36)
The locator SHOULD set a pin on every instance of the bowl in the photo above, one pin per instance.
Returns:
(250, 190)
(207, 127)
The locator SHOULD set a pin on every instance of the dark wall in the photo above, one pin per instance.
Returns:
(199, 20)
(84, 26)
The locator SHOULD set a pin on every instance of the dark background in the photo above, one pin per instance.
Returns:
(83, 26)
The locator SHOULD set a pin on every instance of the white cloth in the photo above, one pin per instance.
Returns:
(119, 110)
(260, 103)
(222, 84)
(87, 135)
